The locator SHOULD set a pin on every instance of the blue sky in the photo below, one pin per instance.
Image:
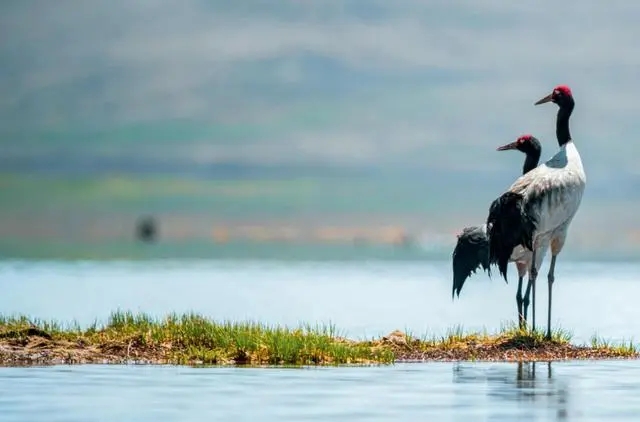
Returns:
(434, 83)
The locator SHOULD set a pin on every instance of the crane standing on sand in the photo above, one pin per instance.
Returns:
(538, 208)
(472, 247)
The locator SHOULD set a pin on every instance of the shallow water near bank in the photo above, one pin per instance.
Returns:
(433, 391)
(363, 299)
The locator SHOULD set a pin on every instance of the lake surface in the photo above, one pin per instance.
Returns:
(435, 391)
(363, 299)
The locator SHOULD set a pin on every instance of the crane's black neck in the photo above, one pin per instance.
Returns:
(562, 121)
(531, 160)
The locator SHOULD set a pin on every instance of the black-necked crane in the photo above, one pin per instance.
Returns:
(538, 208)
(472, 248)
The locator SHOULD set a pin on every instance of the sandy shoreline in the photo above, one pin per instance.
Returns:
(31, 347)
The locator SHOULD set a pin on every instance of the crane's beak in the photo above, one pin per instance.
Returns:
(512, 145)
(545, 99)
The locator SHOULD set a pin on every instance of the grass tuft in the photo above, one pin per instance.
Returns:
(195, 340)
(623, 348)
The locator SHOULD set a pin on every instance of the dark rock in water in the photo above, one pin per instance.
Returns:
(146, 229)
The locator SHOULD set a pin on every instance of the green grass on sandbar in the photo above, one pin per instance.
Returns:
(510, 332)
(193, 339)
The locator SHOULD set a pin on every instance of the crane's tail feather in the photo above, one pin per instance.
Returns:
(471, 252)
(508, 225)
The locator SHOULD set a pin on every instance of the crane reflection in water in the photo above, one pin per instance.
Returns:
(521, 384)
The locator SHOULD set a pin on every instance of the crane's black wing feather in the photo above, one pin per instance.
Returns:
(470, 253)
(511, 223)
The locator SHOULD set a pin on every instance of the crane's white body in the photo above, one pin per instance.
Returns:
(560, 183)
(558, 186)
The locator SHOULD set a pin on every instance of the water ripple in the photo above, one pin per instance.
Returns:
(443, 392)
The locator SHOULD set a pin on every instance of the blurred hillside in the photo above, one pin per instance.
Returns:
(302, 129)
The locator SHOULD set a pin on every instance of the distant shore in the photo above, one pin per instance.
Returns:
(191, 339)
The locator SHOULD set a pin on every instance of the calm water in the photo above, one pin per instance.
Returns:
(363, 299)
(430, 392)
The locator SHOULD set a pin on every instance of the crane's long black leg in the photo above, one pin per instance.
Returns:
(525, 300)
(521, 317)
(551, 279)
(533, 273)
